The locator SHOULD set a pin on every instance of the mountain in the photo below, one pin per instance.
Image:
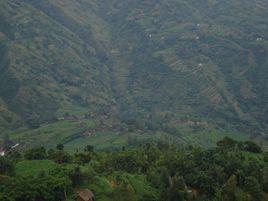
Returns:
(162, 62)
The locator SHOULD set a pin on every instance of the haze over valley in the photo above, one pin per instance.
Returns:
(133, 100)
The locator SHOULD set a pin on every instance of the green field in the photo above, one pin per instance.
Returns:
(73, 134)
(33, 167)
(70, 133)
(49, 135)
(108, 140)
(210, 138)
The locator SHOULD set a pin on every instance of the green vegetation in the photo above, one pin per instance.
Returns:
(198, 67)
(29, 168)
(123, 96)
(51, 134)
(232, 171)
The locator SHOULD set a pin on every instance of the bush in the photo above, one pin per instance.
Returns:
(253, 187)
(6, 166)
(227, 143)
(59, 156)
(38, 153)
(252, 147)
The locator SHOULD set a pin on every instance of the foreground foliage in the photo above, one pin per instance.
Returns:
(233, 171)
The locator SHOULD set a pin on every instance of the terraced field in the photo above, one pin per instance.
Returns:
(154, 61)
(49, 135)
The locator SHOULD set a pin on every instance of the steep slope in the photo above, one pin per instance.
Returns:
(163, 61)
(46, 65)
(202, 59)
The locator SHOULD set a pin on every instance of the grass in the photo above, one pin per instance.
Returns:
(72, 110)
(207, 136)
(141, 186)
(107, 140)
(50, 134)
(32, 168)
(210, 138)
(257, 156)
(69, 133)
(101, 189)
(99, 140)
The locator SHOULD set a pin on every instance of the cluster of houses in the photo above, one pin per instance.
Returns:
(3, 152)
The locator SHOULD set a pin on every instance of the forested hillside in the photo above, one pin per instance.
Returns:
(165, 64)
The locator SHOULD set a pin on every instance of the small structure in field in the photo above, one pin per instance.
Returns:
(2, 151)
(84, 195)
(15, 146)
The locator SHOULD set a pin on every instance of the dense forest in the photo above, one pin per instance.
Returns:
(232, 171)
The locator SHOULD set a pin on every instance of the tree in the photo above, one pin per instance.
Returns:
(253, 187)
(76, 176)
(126, 161)
(265, 180)
(205, 183)
(227, 143)
(89, 148)
(33, 121)
(229, 191)
(176, 191)
(83, 157)
(6, 142)
(265, 157)
(252, 147)
(59, 156)
(60, 147)
(14, 155)
(240, 176)
(6, 166)
(124, 190)
(131, 140)
(53, 187)
(38, 153)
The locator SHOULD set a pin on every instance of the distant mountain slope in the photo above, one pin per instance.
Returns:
(169, 60)
(46, 65)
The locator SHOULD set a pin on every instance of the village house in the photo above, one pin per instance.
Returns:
(2, 151)
(84, 195)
